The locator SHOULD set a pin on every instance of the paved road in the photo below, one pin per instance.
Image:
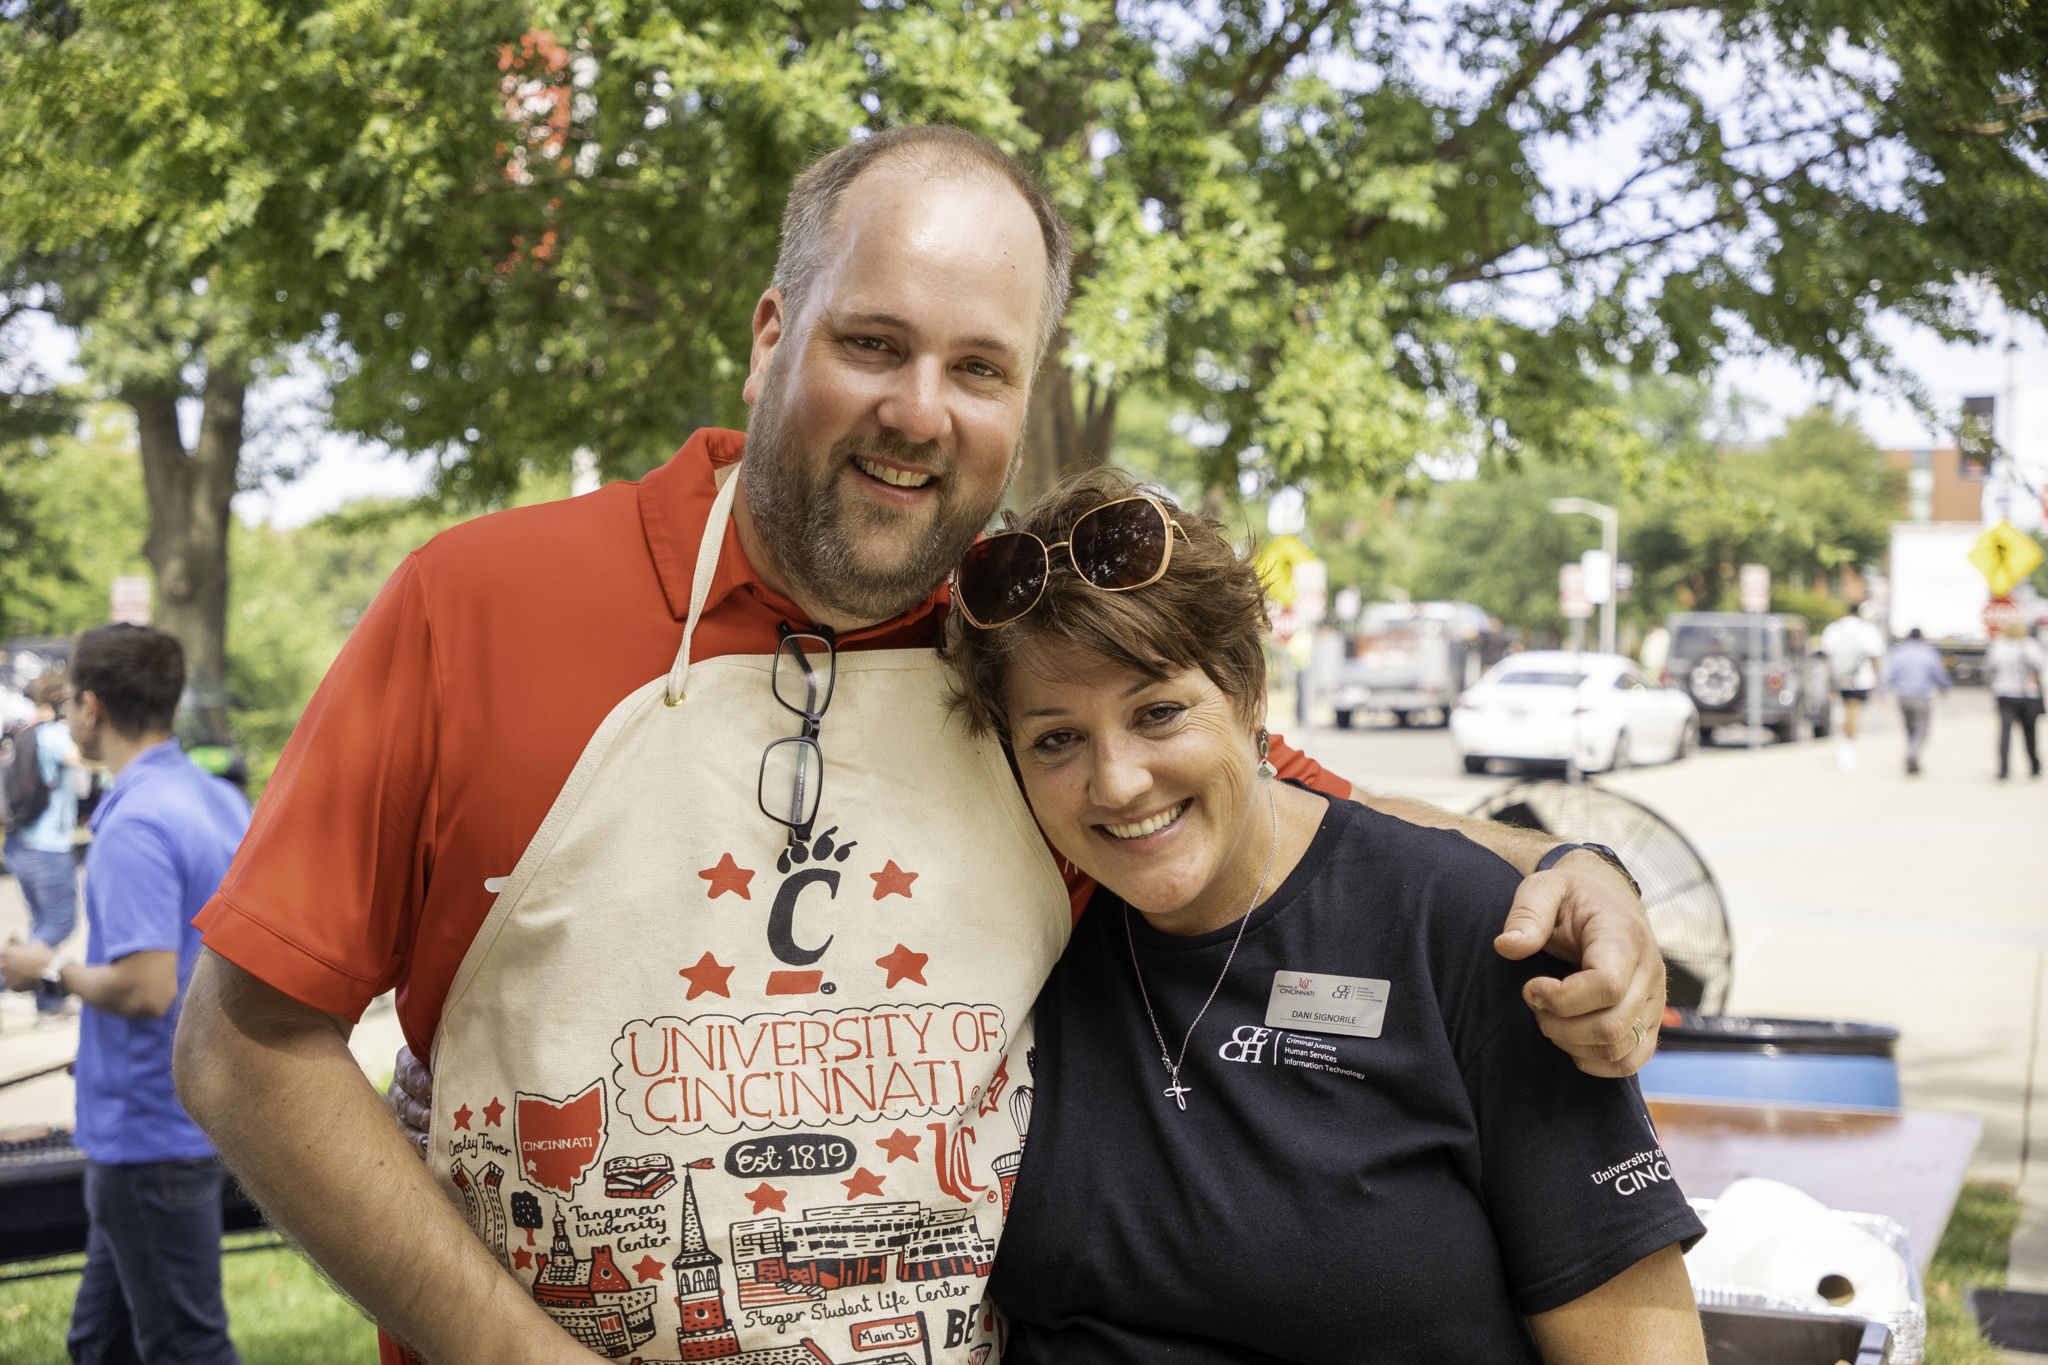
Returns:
(1921, 903)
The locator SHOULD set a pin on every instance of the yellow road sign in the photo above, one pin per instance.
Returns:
(1275, 563)
(2005, 555)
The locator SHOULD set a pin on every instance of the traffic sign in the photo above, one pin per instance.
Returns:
(1572, 602)
(1755, 584)
(128, 600)
(1999, 613)
(2005, 555)
(1599, 576)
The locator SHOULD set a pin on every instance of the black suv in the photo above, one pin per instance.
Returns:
(1710, 659)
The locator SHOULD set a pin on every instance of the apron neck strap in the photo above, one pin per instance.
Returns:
(700, 581)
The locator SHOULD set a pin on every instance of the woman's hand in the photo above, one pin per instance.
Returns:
(1605, 1014)
(411, 1097)
(1643, 1316)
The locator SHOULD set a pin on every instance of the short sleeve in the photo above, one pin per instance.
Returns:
(323, 899)
(1574, 1181)
(1295, 766)
(142, 905)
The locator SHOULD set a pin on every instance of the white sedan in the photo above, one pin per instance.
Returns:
(1595, 712)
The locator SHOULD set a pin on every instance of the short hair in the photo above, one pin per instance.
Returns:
(1913, 634)
(47, 688)
(812, 209)
(137, 673)
(1207, 612)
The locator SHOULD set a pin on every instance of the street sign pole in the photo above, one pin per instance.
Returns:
(1755, 584)
(1610, 547)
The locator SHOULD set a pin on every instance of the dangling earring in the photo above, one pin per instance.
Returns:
(1266, 771)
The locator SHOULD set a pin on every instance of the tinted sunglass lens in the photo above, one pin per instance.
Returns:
(1120, 545)
(1000, 578)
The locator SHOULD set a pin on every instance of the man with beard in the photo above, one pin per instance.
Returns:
(562, 790)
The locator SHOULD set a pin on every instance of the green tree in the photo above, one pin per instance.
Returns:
(1345, 234)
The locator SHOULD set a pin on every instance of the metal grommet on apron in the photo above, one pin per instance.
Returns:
(713, 1094)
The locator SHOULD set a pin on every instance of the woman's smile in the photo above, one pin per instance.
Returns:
(1148, 832)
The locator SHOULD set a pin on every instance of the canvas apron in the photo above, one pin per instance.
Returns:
(714, 1097)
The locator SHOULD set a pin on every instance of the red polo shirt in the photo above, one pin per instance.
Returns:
(438, 741)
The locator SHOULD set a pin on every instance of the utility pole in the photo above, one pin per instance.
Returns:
(1610, 545)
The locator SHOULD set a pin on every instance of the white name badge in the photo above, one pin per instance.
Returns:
(1307, 1003)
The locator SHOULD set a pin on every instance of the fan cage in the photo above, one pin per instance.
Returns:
(1686, 909)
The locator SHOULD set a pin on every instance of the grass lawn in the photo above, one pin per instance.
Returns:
(1972, 1252)
(280, 1312)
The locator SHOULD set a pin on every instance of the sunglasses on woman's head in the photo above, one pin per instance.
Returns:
(1116, 547)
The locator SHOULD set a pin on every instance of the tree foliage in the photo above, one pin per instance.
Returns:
(1816, 500)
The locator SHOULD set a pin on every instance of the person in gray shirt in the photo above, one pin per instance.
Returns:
(1913, 672)
(2014, 665)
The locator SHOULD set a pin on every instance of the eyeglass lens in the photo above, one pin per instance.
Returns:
(805, 670)
(1000, 578)
(792, 778)
(1121, 544)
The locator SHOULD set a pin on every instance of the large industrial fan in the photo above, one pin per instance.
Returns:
(1686, 910)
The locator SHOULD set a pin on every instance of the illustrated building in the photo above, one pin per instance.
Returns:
(847, 1245)
(480, 1201)
(591, 1299)
(703, 1333)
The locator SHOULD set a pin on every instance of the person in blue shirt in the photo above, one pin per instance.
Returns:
(1913, 672)
(39, 852)
(162, 839)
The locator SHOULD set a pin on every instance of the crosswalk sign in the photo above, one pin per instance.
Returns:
(2005, 555)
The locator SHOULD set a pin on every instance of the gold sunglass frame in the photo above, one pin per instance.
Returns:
(1165, 561)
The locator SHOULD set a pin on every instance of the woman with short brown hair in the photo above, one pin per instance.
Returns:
(1289, 1104)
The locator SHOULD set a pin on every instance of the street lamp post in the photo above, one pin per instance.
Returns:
(1610, 541)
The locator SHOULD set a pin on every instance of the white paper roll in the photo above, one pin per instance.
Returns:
(1827, 1264)
(1746, 1213)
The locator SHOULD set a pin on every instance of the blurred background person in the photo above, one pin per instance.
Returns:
(1854, 646)
(2013, 664)
(1913, 672)
(163, 836)
(45, 778)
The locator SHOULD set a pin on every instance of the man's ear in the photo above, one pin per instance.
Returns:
(769, 322)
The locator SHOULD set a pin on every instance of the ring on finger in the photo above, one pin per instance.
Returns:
(1640, 1031)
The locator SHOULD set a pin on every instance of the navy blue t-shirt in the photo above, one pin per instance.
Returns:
(1324, 1197)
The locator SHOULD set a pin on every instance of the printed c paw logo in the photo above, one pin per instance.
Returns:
(782, 917)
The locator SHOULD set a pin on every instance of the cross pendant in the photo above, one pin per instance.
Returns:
(1177, 1093)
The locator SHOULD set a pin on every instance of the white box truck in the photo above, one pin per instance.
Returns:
(1936, 588)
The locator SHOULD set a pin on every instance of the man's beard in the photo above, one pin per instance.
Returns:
(811, 528)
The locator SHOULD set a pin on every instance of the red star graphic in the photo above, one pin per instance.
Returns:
(863, 1181)
(647, 1268)
(893, 881)
(728, 876)
(494, 1112)
(706, 976)
(463, 1116)
(903, 965)
(766, 1196)
(523, 1259)
(899, 1144)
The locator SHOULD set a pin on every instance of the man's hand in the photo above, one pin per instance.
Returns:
(410, 1097)
(21, 964)
(1606, 1014)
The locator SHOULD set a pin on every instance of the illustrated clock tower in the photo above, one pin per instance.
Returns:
(703, 1334)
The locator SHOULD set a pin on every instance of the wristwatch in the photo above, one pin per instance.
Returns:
(1602, 851)
(53, 974)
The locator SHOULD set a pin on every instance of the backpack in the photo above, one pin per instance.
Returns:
(28, 796)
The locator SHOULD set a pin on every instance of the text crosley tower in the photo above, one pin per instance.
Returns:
(703, 1333)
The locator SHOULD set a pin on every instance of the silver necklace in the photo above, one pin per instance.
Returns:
(1175, 1091)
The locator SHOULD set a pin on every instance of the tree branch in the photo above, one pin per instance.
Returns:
(1270, 63)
